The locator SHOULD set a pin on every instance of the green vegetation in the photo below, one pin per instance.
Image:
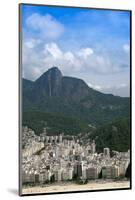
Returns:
(71, 97)
(70, 106)
(56, 123)
(115, 135)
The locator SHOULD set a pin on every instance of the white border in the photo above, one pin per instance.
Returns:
(9, 97)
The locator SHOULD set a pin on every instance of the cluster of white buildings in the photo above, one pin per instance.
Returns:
(63, 158)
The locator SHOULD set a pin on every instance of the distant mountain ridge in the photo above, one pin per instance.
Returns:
(72, 97)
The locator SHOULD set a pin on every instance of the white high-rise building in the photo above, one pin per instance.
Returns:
(93, 147)
(60, 138)
(107, 152)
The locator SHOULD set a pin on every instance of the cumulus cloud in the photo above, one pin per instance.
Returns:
(44, 26)
(95, 55)
(66, 61)
(31, 43)
(32, 59)
(85, 52)
(96, 87)
(53, 50)
(39, 56)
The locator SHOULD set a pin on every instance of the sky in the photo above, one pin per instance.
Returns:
(90, 44)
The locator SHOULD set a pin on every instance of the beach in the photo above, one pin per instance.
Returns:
(69, 187)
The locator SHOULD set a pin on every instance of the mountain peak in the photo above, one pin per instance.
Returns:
(54, 68)
(52, 73)
(50, 81)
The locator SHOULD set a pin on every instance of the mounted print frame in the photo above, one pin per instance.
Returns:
(74, 99)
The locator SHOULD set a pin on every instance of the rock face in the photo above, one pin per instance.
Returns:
(74, 88)
(53, 84)
(49, 83)
(54, 93)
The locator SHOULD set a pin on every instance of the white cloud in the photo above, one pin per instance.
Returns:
(100, 87)
(36, 54)
(96, 87)
(69, 56)
(32, 59)
(45, 52)
(126, 48)
(66, 61)
(53, 50)
(85, 53)
(122, 89)
(45, 26)
(31, 43)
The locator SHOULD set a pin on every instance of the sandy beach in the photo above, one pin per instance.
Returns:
(66, 187)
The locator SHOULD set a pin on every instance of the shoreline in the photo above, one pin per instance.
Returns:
(71, 187)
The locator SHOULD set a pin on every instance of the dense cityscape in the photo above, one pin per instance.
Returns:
(61, 158)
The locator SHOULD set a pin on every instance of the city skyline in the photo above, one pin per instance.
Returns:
(50, 159)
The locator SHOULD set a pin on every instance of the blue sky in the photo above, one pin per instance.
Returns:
(90, 44)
